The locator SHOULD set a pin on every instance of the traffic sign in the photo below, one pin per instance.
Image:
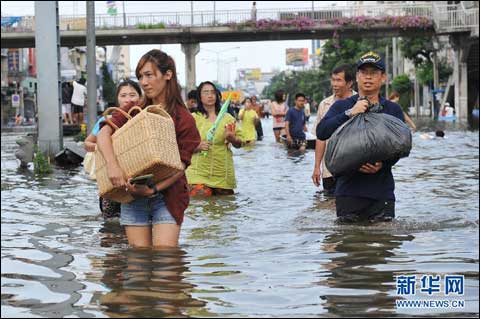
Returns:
(16, 100)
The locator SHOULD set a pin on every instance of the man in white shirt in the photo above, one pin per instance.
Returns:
(341, 79)
(78, 100)
(307, 111)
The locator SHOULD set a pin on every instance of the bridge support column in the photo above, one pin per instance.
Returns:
(47, 39)
(460, 75)
(190, 50)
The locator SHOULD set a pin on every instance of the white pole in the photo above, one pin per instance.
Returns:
(191, 13)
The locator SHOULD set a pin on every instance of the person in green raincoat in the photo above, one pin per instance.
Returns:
(211, 171)
(249, 118)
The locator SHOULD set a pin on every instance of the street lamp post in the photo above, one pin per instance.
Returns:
(218, 59)
(224, 62)
(191, 13)
(124, 15)
(214, 11)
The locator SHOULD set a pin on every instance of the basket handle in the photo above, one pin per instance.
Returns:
(114, 108)
(158, 109)
(136, 107)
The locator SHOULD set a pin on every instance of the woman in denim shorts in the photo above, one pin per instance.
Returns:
(156, 214)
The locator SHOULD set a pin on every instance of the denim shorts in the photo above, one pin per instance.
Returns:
(145, 212)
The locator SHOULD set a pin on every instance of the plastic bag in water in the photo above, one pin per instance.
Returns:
(367, 138)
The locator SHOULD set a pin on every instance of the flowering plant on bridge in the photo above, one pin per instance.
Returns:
(361, 22)
(364, 22)
(299, 23)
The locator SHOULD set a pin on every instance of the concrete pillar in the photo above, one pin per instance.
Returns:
(463, 93)
(394, 58)
(47, 44)
(461, 86)
(190, 50)
(416, 96)
(426, 98)
(91, 67)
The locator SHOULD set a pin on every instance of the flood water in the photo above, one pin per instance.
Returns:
(271, 250)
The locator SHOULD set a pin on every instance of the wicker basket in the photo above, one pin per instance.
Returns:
(146, 144)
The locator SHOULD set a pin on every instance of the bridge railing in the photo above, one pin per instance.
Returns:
(455, 17)
(447, 18)
(226, 17)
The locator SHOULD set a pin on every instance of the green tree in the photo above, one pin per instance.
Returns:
(403, 85)
(425, 72)
(419, 50)
(108, 86)
(315, 83)
(348, 51)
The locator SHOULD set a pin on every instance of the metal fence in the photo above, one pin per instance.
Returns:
(446, 17)
(455, 17)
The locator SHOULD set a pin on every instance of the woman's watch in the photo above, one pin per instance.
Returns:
(155, 190)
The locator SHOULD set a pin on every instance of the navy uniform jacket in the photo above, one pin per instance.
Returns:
(379, 186)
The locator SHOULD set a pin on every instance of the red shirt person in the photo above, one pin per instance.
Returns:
(155, 218)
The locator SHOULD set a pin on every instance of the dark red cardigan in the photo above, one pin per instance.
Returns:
(176, 196)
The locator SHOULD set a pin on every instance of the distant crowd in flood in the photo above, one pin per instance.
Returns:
(207, 126)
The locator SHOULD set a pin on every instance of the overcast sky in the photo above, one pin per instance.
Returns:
(268, 55)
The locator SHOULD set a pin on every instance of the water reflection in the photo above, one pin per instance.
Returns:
(356, 284)
(146, 283)
(270, 250)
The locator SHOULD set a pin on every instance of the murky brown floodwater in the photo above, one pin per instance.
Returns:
(272, 250)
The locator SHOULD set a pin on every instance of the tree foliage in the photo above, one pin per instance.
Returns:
(315, 83)
(425, 72)
(420, 50)
(401, 84)
(108, 86)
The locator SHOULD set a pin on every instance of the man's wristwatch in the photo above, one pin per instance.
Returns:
(349, 113)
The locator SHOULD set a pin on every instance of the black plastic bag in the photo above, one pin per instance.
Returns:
(367, 138)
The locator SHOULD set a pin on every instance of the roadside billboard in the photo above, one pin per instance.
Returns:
(297, 56)
(254, 74)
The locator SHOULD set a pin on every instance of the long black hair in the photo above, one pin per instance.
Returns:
(218, 96)
(279, 96)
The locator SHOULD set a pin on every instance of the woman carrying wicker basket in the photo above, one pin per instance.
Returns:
(212, 171)
(156, 214)
(128, 94)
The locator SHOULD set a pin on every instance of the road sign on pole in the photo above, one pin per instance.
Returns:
(16, 100)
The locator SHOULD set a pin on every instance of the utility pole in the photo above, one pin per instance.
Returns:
(124, 15)
(214, 13)
(91, 67)
(47, 39)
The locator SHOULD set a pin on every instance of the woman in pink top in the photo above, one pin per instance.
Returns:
(279, 110)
